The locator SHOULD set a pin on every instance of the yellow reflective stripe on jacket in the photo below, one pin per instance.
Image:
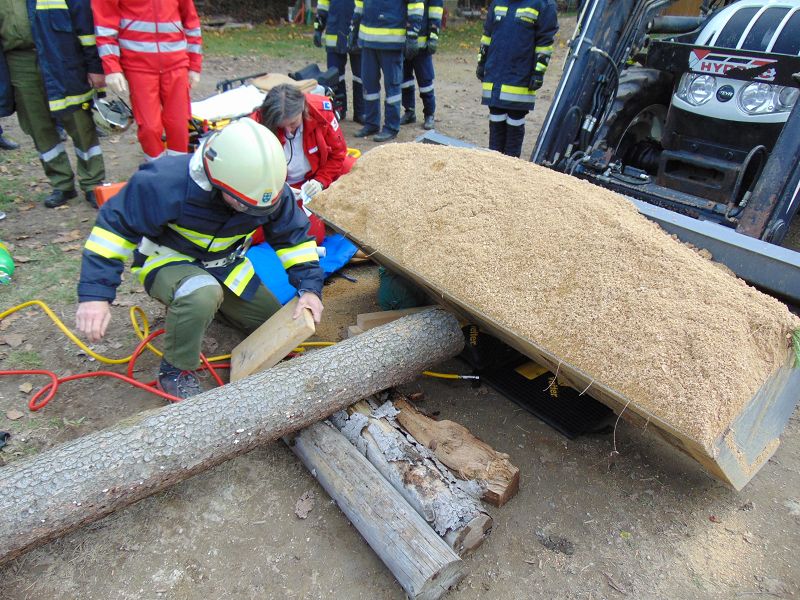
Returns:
(541, 67)
(436, 12)
(51, 4)
(156, 261)
(87, 40)
(240, 276)
(205, 241)
(108, 244)
(323, 4)
(359, 7)
(381, 31)
(305, 252)
(486, 40)
(500, 10)
(517, 89)
(528, 12)
(543, 50)
(62, 103)
(415, 8)
(487, 85)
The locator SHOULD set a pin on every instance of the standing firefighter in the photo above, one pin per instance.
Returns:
(421, 65)
(48, 68)
(187, 220)
(384, 29)
(156, 48)
(333, 20)
(515, 50)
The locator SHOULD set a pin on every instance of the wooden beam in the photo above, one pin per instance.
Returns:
(451, 507)
(423, 564)
(270, 343)
(88, 478)
(374, 319)
(468, 456)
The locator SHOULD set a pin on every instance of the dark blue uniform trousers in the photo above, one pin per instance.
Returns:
(340, 62)
(421, 66)
(374, 61)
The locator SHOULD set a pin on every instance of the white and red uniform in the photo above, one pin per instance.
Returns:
(154, 43)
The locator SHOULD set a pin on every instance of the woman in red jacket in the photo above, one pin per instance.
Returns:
(315, 148)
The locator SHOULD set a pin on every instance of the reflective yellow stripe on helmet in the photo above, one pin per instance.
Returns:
(108, 244)
(305, 252)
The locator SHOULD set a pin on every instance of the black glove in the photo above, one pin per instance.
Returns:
(352, 40)
(480, 71)
(433, 42)
(318, 38)
(536, 81)
(412, 45)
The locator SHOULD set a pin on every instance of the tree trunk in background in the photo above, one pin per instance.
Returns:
(90, 477)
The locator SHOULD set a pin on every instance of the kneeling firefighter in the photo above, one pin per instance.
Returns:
(187, 221)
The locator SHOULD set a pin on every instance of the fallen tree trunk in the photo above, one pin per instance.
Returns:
(468, 456)
(85, 479)
(450, 506)
(423, 564)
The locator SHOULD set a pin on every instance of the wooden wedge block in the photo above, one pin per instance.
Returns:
(270, 343)
(374, 319)
(468, 456)
(353, 331)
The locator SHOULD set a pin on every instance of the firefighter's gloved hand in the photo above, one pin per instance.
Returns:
(536, 81)
(352, 40)
(117, 83)
(318, 38)
(194, 78)
(311, 188)
(480, 71)
(412, 45)
(433, 42)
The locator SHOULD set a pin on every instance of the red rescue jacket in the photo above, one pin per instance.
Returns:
(142, 35)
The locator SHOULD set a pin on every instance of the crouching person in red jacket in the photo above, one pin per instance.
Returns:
(315, 148)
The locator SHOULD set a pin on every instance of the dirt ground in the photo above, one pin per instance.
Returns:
(636, 519)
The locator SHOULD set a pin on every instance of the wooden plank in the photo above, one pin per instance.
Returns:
(374, 319)
(423, 564)
(468, 456)
(452, 508)
(270, 343)
(353, 331)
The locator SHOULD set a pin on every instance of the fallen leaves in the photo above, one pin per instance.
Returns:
(14, 414)
(26, 387)
(14, 340)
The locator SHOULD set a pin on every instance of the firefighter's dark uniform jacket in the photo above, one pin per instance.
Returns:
(334, 17)
(62, 32)
(187, 224)
(518, 36)
(382, 24)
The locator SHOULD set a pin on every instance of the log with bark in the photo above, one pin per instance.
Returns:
(90, 477)
(451, 506)
(468, 456)
(423, 564)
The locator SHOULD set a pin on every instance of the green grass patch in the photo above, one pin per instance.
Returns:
(24, 359)
(15, 184)
(48, 274)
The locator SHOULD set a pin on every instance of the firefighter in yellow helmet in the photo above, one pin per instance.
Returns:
(186, 221)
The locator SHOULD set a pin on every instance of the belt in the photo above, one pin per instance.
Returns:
(149, 248)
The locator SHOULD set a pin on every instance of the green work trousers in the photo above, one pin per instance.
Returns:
(36, 120)
(193, 298)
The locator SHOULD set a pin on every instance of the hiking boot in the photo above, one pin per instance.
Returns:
(428, 124)
(59, 198)
(365, 131)
(408, 117)
(90, 198)
(385, 136)
(7, 144)
(173, 381)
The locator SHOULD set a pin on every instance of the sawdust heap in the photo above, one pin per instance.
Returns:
(575, 269)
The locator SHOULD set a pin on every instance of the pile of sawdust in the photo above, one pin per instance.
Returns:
(575, 269)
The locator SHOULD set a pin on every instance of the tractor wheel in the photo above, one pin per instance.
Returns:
(635, 123)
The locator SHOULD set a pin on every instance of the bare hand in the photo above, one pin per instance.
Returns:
(310, 301)
(97, 80)
(92, 319)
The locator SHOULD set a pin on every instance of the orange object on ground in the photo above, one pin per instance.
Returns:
(104, 192)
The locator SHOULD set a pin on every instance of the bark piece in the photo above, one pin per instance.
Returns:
(423, 564)
(450, 506)
(89, 477)
(468, 456)
(270, 343)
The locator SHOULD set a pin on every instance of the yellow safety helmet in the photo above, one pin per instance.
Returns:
(247, 161)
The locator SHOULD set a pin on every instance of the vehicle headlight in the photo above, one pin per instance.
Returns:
(787, 98)
(696, 89)
(756, 98)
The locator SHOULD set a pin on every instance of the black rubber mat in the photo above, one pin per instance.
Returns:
(561, 407)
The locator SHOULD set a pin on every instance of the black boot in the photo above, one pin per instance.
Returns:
(514, 137)
(7, 144)
(59, 198)
(173, 381)
(497, 135)
(409, 116)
